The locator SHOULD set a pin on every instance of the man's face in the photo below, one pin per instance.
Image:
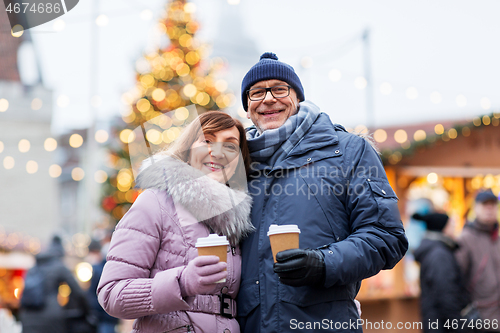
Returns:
(271, 112)
(486, 212)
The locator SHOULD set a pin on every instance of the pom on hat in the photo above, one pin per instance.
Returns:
(269, 55)
(434, 221)
(270, 68)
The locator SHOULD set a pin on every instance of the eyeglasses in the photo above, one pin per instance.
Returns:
(258, 94)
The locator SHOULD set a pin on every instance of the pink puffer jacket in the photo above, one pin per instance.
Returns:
(155, 240)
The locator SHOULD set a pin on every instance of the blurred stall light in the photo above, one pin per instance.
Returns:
(4, 104)
(361, 129)
(306, 62)
(96, 101)
(62, 101)
(466, 131)
(485, 103)
(36, 104)
(489, 181)
(77, 174)
(8, 162)
(170, 135)
(102, 20)
(432, 178)
(486, 120)
(101, 136)
(461, 101)
(75, 140)
(233, 2)
(50, 144)
(221, 85)
(1, 146)
(153, 136)
(335, 75)
(64, 290)
(84, 271)
(386, 88)
(17, 292)
(360, 82)
(476, 121)
(182, 113)
(380, 135)
(158, 94)
(190, 90)
(58, 25)
(55, 171)
(419, 135)
(452, 133)
(31, 167)
(19, 31)
(142, 66)
(436, 97)
(127, 136)
(439, 129)
(190, 7)
(412, 93)
(146, 15)
(100, 176)
(143, 105)
(24, 146)
(127, 111)
(400, 136)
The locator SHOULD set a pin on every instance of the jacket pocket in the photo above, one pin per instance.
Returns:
(306, 296)
(387, 203)
(248, 297)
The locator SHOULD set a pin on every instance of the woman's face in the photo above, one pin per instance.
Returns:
(216, 154)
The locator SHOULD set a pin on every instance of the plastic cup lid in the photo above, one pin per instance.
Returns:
(212, 240)
(283, 229)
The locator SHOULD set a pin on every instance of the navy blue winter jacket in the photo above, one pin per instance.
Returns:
(334, 187)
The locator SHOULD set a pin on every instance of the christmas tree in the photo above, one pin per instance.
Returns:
(169, 79)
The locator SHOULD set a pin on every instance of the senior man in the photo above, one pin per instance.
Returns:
(312, 173)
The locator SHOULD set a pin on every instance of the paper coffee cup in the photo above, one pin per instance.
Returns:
(283, 237)
(213, 245)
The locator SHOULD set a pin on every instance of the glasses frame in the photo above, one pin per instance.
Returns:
(270, 90)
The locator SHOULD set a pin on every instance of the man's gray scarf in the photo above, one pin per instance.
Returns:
(274, 145)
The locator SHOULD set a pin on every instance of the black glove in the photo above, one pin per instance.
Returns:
(297, 267)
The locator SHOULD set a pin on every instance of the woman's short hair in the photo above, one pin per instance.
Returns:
(208, 123)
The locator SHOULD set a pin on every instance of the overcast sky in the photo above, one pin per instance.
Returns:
(446, 47)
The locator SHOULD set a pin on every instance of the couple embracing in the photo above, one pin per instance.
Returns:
(292, 167)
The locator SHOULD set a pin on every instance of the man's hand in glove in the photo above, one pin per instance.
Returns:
(297, 267)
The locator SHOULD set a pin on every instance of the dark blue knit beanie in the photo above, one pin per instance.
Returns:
(269, 68)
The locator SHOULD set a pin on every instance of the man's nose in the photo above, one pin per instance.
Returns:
(269, 96)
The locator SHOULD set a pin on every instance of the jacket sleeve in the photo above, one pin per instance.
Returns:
(376, 235)
(126, 289)
(443, 277)
(463, 256)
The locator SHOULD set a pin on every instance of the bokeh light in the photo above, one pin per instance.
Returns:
(83, 271)
(400, 136)
(24, 146)
(419, 135)
(100, 176)
(8, 162)
(102, 20)
(4, 105)
(127, 136)
(75, 140)
(439, 129)
(1, 146)
(101, 136)
(36, 104)
(31, 167)
(432, 178)
(380, 135)
(50, 144)
(55, 171)
(77, 174)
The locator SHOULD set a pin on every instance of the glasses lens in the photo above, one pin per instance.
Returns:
(280, 91)
(256, 94)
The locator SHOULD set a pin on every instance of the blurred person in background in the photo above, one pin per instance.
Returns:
(153, 273)
(443, 293)
(312, 173)
(51, 316)
(479, 259)
(106, 323)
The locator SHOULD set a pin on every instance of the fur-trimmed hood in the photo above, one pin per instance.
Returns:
(224, 210)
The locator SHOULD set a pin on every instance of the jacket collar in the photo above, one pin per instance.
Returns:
(224, 210)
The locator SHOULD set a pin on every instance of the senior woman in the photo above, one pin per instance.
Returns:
(153, 273)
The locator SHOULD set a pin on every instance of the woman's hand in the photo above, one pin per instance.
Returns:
(201, 274)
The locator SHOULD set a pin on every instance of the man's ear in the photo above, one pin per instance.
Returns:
(248, 115)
